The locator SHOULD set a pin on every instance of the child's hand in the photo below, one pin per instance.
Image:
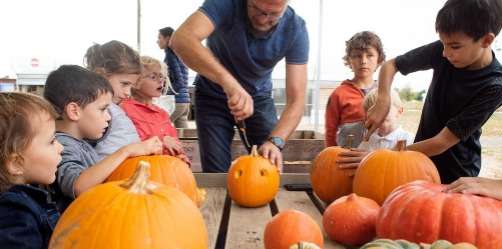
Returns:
(477, 186)
(376, 115)
(185, 159)
(351, 159)
(150, 146)
(172, 145)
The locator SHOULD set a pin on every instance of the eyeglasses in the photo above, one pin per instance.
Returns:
(156, 77)
(271, 16)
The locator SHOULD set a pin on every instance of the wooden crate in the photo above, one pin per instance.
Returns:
(298, 152)
(231, 226)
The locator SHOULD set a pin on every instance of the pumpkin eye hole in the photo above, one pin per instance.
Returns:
(263, 172)
(238, 173)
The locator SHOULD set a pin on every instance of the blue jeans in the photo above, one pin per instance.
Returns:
(215, 128)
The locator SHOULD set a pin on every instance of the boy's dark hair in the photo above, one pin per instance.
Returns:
(72, 83)
(167, 31)
(19, 116)
(475, 18)
(362, 41)
(113, 57)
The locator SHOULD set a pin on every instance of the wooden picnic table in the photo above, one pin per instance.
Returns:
(231, 226)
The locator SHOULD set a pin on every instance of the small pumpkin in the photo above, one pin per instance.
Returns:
(252, 181)
(131, 214)
(413, 210)
(351, 220)
(304, 245)
(330, 182)
(290, 227)
(382, 171)
(441, 244)
(165, 169)
(390, 244)
(463, 245)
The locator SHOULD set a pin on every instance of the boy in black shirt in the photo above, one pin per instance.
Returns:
(466, 87)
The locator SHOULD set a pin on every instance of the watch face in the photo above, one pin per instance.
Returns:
(277, 141)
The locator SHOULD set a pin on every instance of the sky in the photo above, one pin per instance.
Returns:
(59, 31)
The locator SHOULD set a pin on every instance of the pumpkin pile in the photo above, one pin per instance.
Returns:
(292, 229)
(252, 181)
(131, 214)
(384, 170)
(351, 220)
(422, 212)
(168, 170)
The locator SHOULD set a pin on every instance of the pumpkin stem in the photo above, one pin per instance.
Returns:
(401, 145)
(304, 245)
(349, 141)
(254, 150)
(138, 183)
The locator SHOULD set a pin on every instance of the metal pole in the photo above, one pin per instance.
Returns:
(138, 34)
(317, 76)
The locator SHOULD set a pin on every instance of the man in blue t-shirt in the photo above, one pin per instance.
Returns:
(245, 40)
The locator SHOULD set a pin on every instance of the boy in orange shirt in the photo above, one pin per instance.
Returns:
(344, 112)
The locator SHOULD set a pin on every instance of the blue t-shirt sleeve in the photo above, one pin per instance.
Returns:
(220, 12)
(298, 52)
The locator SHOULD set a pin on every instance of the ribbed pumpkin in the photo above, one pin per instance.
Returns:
(329, 182)
(131, 214)
(390, 244)
(167, 170)
(384, 170)
(252, 180)
(421, 212)
(290, 227)
(351, 220)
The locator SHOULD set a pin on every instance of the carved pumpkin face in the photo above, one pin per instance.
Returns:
(252, 180)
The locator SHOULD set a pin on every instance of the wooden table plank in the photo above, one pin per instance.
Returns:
(212, 211)
(205, 180)
(300, 200)
(246, 226)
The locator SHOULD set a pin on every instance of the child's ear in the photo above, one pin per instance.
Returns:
(14, 165)
(487, 40)
(72, 111)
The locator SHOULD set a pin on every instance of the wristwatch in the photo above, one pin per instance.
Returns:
(277, 141)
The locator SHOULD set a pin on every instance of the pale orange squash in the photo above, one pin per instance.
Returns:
(252, 181)
(131, 214)
(292, 229)
(167, 170)
(384, 170)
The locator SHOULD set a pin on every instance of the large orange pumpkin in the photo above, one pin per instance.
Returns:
(384, 170)
(252, 180)
(290, 227)
(351, 220)
(330, 182)
(167, 170)
(131, 214)
(422, 212)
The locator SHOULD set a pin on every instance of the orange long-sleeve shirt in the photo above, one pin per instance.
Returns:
(345, 105)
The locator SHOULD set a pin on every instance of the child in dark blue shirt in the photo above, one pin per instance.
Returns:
(29, 156)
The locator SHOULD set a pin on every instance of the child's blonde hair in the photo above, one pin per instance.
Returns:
(371, 98)
(18, 127)
(149, 63)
